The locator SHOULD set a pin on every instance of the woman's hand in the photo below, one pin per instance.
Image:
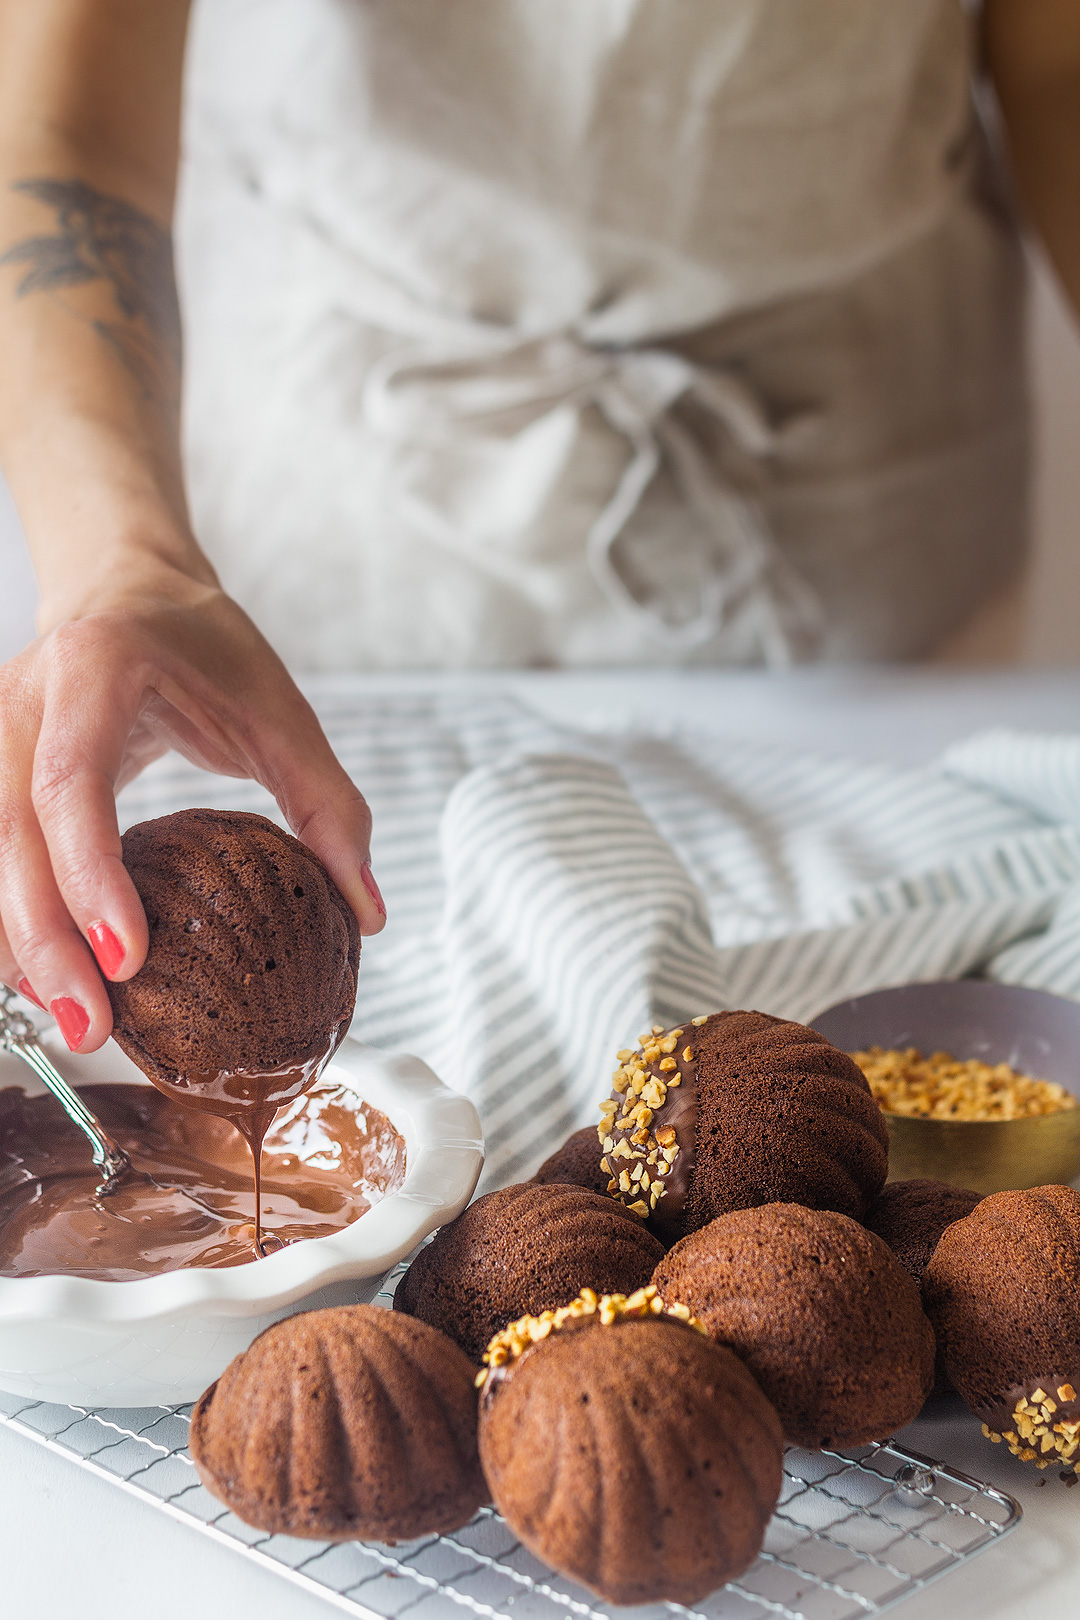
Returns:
(141, 650)
(168, 662)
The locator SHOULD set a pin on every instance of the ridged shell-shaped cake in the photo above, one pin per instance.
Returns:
(820, 1310)
(341, 1424)
(1002, 1292)
(910, 1216)
(576, 1163)
(523, 1250)
(736, 1109)
(253, 948)
(633, 1455)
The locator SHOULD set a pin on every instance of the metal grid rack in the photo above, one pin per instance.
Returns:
(853, 1534)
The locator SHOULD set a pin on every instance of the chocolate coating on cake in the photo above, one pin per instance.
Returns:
(253, 949)
(1001, 1290)
(520, 1251)
(576, 1163)
(343, 1423)
(737, 1110)
(819, 1309)
(637, 1458)
(910, 1217)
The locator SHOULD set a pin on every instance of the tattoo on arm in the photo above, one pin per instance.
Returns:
(103, 238)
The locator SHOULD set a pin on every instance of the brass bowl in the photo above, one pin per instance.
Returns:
(1035, 1032)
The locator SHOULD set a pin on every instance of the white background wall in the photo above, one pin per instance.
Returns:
(1049, 612)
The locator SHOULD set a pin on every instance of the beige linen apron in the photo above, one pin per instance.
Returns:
(597, 331)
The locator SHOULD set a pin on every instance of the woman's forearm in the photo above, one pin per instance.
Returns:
(89, 321)
(1032, 51)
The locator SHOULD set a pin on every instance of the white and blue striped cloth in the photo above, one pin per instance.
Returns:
(552, 893)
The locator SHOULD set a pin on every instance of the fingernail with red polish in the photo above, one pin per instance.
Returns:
(74, 1020)
(372, 887)
(106, 947)
(26, 989)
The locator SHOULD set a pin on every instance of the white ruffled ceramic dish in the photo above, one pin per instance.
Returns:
(163, 1339)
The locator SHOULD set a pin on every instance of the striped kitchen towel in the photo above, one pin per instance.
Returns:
(553, 893)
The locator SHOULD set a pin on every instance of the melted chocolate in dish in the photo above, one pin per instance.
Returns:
(326, 1160)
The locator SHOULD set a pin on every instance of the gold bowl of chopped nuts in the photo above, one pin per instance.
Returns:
(979, 1082)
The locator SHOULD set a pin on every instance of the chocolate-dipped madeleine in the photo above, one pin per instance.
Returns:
(735, 1110)
(1001, 1291)
(627, 1451)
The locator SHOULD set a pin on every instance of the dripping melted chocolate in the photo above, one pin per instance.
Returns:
(325, 1160)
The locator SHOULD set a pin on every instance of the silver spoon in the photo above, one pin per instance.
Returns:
(19, 1035)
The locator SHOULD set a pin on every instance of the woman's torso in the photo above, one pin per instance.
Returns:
(425, 245)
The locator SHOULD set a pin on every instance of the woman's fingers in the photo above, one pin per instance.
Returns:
(324, 808)
(78, 757)
(49, 954)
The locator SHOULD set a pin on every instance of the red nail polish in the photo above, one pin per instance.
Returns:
(372, 887)
(26, 989)
(106, 947)
(74, 1020)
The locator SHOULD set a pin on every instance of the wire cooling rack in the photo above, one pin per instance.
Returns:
(853, 1534)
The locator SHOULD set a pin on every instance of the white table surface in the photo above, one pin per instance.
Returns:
(72, 1545)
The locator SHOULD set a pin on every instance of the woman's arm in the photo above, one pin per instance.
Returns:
(140, 649)
(1032, 50)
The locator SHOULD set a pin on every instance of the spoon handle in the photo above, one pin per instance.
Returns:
(19, 1035)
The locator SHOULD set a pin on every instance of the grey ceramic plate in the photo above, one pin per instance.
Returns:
(1035, 1032)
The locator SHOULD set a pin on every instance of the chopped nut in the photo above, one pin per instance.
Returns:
(658, 1029)
(1066, 1392)
(625, 1055)
(666, 1136)
(669, 1043)
(1038, 1396)
(704, 1019)
(608, 1143)
(943, 1087)
(639, 1207)
(667, 1064)
(613, 1186)
(640, 1137)
(621, 1082)
(674, 1080)
(687, 1055)
(624, 1181)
